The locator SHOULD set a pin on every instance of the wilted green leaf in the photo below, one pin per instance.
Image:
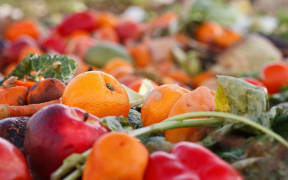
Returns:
(115, 123)
(279, 119)
(243, 99)
(135, 99)
(134, 117)
(158, 143)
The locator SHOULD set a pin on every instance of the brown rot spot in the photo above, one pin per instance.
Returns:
(109, 86)
(86, 116)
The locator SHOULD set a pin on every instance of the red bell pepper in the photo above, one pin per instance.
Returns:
(83, 21)
(189, 161)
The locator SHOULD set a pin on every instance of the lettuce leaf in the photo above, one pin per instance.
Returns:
(237, 96)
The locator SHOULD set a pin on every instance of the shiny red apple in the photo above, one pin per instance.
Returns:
(13, 165)
(54, 133)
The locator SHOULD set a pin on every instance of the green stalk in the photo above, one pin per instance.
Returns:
(232, 117)
(166, 125)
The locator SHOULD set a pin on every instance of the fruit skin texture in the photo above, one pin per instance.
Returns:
(13, 165)
(55, 132)
(45, 90)
(13, 129)
(97, 93)
(116, 156)
(200, 99)
(157, 105)
(189, 161)
(275, 76)
(13, 96)
(79, 21)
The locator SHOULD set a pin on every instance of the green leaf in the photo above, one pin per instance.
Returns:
(158, 143)
(59, 67)
(279, 119)
(115, 123)
(135, 99)
(278, 98)
(134, 117)
(221, 100)
(243, 99)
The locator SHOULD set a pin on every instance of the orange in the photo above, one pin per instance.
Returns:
(157, 105)
(116, 156)
(21, 28)
(200, 99)
(97, 93)
(107, 33)
(201, 78)
(180, 76)
(228, 38)
(208, 32)
(141, 55)
(118, 67)
(106, 19)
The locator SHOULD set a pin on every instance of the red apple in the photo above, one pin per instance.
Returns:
(129, 30)
(13, 165)
(54, 133)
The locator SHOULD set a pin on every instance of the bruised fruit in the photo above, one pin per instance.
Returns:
(13, 165)
(97, 93)
(13, 129)
(45, 90)
(13, 96)
(55, 132)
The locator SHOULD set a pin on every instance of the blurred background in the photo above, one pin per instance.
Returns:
(240, 12)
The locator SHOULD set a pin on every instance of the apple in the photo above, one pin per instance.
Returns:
(13, 165)
(55, 132)
(129, 30)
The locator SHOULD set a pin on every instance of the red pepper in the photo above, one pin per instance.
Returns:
(83, 21)
(275, 76)
(54, 43)
(189, 161)
(255, 82)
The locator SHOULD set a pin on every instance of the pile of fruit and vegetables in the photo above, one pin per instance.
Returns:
(188, 90)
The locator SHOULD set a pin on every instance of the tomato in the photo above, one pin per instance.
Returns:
(275, 76)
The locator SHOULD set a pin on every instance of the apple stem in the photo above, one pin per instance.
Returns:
(179, 121)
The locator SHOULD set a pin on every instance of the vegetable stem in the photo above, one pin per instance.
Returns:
(232, 117)
(166, 125)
